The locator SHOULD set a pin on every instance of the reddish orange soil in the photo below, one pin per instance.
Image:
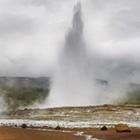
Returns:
(32, 134)
(8, 133)
(111, 134)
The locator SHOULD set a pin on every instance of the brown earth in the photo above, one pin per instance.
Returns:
(8, 133)
(111, 134)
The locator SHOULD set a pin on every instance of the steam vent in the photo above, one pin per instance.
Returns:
(73, 80)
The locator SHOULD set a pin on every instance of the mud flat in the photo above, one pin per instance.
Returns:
(10, 133)
(7, 133)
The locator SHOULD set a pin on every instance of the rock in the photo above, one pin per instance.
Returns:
(104, 128)
(122, 128)
(57, 127)
(23, 125)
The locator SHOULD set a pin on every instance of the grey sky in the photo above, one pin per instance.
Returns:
(32, 33)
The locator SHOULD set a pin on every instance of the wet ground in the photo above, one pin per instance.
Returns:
(75, 117)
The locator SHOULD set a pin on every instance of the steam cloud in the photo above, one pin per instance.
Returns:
(85, 79)
(75, 82)
(102, 46)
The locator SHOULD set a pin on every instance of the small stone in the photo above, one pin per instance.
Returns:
(23, 125)
(104, 128)
(122, 128)
(57, 127)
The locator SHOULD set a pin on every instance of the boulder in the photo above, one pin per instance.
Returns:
(23, 125)
(104, 128)
(57, 127)
(122, 128)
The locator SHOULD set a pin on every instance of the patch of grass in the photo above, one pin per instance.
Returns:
(23, 96)
(133, 96)
(21, 92)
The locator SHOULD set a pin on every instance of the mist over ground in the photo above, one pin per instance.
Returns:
(83, 79)
(33, 35)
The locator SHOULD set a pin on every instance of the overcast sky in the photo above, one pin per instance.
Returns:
(32, 33)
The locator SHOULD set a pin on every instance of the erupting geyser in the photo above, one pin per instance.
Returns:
(73, 84)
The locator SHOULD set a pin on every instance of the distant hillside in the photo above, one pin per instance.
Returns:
(23, 91)
(132, 95)
(24, 81)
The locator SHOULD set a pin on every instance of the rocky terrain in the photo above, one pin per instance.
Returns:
(75, 117)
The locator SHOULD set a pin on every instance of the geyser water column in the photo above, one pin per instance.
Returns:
(72, 84)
